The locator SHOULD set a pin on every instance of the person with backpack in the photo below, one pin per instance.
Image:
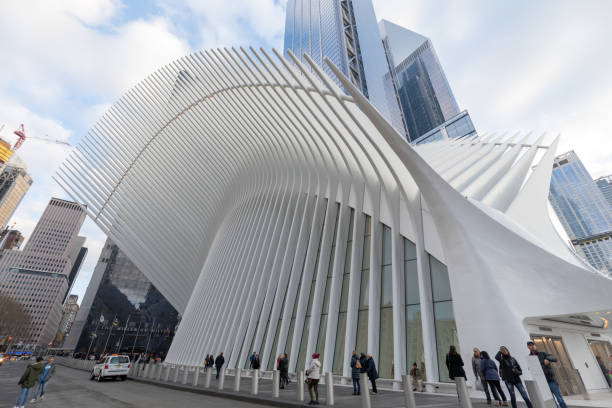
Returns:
(28, 380)
(489, 370)
(219, 361)
(355, 373)
(511, 374)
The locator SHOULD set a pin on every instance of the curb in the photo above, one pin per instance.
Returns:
(267, 401)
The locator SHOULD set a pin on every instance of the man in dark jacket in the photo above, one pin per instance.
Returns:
(372, 373)
(545, 360)
(283, 368)
(48, 371)
(28, 380)
(219, 363)
(511, 374)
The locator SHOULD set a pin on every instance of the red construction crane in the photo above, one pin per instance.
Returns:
(20, 132)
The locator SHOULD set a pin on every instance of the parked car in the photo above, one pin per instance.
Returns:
(114, 366)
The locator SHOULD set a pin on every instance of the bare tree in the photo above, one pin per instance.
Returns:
(14, 319)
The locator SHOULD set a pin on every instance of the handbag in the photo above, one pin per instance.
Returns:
(478, 385)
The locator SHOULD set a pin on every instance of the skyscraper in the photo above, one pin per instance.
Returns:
(605, 185)
(37, 277)
(14, 184)
(69, 312)
(346, 32)
(135, 315)
(583, 210)
(416, 79)
(77, 256)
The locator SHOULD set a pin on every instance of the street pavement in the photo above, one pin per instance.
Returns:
(72, 388)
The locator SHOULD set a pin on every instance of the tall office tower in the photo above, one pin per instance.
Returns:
(136, 316)
(416, 81)
(37, 276)
(583, 210)
(77, 256)
(346, 32)
(14, 184)
(69, 312)
(605, 185)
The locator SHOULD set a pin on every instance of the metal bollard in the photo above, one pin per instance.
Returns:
(159, 372)
(185, 375)
(329, 386)
(153, 371)
(208, 377)
(145, 371)
(237, 375)
(221, 378)
(167, 375)
(365, 392)
(176, 373)
(462, 392)
(196, 376)
(275, 383)
(534, 394)
(255, 382)
(408, 393)
(300, 386)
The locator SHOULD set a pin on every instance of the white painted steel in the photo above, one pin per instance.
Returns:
(221, 176)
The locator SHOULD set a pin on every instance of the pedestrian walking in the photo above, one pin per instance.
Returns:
(511, 374)
(219, 363)
(417, 381)
(372, 373)
(256, 364)
(545, 360)
(46, 375)
(454, 363)
(283, 368)
(28, 380)
(478, 374)
(489, 370)
(312, 379)
(355, 373)
(211, 361)
(252, 358)
(604, 370)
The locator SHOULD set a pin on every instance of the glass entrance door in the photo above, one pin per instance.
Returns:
(602, 351)
(570, 382)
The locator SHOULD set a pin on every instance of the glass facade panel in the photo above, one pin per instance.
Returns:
(414, 339)
(439, 280)
(385, 360)
(362, 331)
(361, 344)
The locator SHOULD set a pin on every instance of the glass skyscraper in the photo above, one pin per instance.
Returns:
(583, 210)
(416, 81)
(605, 185)
(346, 32)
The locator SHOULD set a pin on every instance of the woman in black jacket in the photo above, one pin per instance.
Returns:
(454, 363)
(511, 374)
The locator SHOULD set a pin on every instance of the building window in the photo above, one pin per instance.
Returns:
(446, 329)
(414, 329)
(385, 360)
(364, 298)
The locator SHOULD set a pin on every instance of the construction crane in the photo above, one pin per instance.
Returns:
(20, 132)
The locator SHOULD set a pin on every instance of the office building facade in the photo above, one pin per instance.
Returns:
(334, 234)
(121, 310)
(605, 186)
(37, 276)
(583, 210)
(14, 184)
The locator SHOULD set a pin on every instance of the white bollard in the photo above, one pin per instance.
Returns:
(275, 383)
(146, 370)
(196, 376)
(185, 375)
(176, 373)
(462, 392)
(365, 392)
(153, 371)
(159, 372)
(208, 377)
(237, 376)
(300, 386)
(408, 393)
(535, 395)
(221, 378)
(329, 387)
(167, 375)
(255, 382)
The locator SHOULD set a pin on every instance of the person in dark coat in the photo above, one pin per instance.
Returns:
(363, 359)
(454, 363)
(28, 380)
(372, 373)
(545, 360)
(355, 373)
(511, 374)
(256, 364)
(489, 371)
(219, 363)
(283, 368)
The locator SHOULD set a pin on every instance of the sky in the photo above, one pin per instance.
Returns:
(514, 65)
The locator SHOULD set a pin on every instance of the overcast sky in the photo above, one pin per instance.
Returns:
(515, 65)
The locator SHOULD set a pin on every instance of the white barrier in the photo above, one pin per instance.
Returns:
(237, 376)
(255, 382)
(329, 387)
(365, 392)
(408, 392)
